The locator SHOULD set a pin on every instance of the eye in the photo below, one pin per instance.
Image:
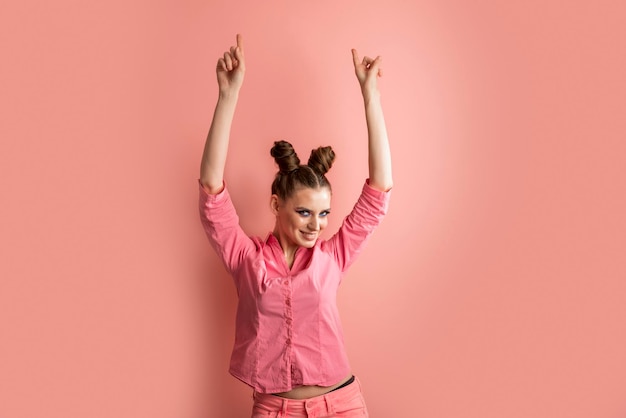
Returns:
(304, 213)
(324, 214)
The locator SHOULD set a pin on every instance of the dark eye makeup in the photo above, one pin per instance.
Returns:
(306, 212)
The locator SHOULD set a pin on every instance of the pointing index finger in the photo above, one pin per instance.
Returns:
(355, 57)
(240, 41)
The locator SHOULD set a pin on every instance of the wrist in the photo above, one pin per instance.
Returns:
(370, 95)
(228, 95)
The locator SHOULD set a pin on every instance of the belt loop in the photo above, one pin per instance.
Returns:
(330, 407)
(283, 409)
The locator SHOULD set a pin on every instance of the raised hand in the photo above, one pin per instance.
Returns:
(230, 71)
(367, 71)
(231, 68)
(379, 156)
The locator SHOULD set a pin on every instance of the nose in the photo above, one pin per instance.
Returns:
(314, 224)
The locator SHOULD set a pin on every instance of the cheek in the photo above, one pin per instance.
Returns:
(296, 222)
(286, 222)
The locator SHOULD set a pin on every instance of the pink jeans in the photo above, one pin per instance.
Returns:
(346, 402)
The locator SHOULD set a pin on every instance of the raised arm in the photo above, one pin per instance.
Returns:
(367, 72)
(230, 73)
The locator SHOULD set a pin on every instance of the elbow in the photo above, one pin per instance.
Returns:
(383, 186)
(212, 187)
(387, 186)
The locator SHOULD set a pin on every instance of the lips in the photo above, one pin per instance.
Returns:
(309, 236)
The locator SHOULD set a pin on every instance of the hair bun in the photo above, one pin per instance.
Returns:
(285, 156)
(321, 159)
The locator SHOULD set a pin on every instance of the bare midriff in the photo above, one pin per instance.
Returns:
(305, 392)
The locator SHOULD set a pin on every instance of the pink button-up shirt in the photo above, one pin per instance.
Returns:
(288, 331)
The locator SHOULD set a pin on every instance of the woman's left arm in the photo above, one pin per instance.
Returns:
(367, 71)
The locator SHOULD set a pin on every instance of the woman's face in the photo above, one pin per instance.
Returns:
(301, 218)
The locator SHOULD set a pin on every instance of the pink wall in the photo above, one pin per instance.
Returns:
(495, 287)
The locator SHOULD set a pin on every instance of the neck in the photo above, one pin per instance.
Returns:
(289, 251)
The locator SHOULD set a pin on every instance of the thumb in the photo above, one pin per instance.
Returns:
(375, 66)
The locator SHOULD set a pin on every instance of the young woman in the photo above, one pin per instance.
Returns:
(289, 342)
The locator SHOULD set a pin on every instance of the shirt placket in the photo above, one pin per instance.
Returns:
(288, 315)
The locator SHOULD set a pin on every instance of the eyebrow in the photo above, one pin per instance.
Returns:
(309, 210)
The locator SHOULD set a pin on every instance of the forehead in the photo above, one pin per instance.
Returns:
(311, 198)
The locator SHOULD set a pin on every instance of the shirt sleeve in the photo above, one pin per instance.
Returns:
(367, 214)
(221, 225)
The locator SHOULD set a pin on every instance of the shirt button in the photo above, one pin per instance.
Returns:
(288, 302)
(286, 282)
(288, 341)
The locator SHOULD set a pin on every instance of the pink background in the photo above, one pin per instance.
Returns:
(494, 288)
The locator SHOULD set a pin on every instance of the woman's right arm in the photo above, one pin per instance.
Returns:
(230, 73)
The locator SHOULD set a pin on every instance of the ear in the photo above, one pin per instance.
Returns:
(274, 204)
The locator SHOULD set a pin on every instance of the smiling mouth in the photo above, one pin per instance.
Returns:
(309, 235)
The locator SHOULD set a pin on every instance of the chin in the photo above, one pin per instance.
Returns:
(309, 244)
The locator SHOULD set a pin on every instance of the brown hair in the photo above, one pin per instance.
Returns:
(292, 175)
